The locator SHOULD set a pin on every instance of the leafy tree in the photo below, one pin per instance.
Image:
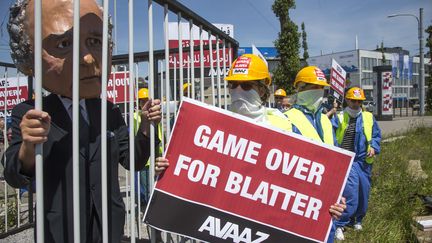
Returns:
(304, 44)
(287, 44)
(429, 80)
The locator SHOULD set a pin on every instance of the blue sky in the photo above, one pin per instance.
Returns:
(331, 25)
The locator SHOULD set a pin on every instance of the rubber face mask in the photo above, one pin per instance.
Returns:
(353, 113)
(247, 103)
(57, 46)
(311, 99)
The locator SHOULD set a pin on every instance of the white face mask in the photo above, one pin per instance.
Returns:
(247, 103)
(353, 113)
(311, 99)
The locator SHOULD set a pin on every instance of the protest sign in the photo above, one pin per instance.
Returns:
(13, 90)
(231, 179)
(337, 81)
(118, 87)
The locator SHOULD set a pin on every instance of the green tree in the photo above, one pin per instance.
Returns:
(304, 44)
(429, 80)
(287, 44)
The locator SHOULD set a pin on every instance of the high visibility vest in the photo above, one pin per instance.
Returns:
(307, 129)
(367, 129)
(137, 122)
(279, 122)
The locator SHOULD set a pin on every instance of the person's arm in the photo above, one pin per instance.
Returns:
(150, 113)
(18, 159)
(376, 140)
(337, 209)
(34, 128)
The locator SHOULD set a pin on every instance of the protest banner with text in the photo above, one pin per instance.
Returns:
(231, 179)
(337, 81)
(13, 90)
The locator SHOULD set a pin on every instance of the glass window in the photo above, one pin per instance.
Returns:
(416, 67)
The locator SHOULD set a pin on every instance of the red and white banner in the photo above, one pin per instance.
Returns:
(118, 87)
(13, 90)
(174, 60)
(387, 93)
(337, 80)
(231, 179)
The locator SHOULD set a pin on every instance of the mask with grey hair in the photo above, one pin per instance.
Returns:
(21, 49)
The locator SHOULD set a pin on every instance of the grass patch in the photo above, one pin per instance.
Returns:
(392, 203)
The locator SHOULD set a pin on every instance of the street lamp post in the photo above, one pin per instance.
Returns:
(420, 38)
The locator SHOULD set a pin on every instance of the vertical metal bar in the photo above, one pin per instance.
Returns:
(38, 106)
(104, 156)
(201, 64)
(5, 146)
(188, 79)
(180, 46)
(6, 206)
(75, 121)
(18, 207)
(175, 85)
(162, 88)
(211, 68)
(191, 59)
(218, 69)
(131, 120)
(167, 75)
(137, 174)
(115, 29)
(151, 93)
(125, 93)
(114, 83)
(224, 73)
(229, 62)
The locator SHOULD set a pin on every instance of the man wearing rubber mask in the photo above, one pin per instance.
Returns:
(52, 126)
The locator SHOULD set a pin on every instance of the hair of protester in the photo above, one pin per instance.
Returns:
(21, 50)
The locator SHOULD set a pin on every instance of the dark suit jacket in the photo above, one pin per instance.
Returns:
(57, 159)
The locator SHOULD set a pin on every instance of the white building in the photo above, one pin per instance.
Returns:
(359, 64)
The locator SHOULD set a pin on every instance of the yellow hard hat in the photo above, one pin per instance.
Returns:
(280, 92)
(311, 75)
(249, 67)
(185, 86)
(355, 93)
(143, 93)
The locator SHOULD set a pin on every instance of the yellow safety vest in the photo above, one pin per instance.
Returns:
(307, 129)
(367, 129)
(279, 122)
(137, 122)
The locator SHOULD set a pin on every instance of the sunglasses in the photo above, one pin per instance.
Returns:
(244, 85)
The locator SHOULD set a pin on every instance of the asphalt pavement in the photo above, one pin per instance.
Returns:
(400, 125)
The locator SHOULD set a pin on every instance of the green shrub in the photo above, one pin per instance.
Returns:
(392, 202)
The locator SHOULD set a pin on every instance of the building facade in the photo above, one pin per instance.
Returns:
(359, 66)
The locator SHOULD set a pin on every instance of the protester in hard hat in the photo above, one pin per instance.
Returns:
(358, 132)
(187, 89)
(279, 95)
(286, 104)
(306, 114)
(249, 81)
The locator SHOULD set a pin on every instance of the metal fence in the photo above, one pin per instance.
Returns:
(164, 71)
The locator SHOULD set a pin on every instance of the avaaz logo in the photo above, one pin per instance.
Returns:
(231, 230)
